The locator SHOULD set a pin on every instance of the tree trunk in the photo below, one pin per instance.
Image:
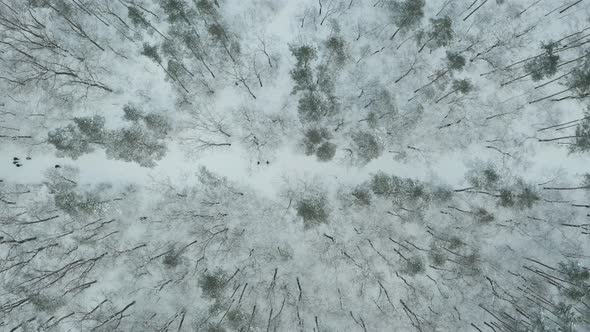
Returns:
(566, 188)
(445, 96)
(556, 138)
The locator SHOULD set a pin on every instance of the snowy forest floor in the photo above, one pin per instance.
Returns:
(275, 165)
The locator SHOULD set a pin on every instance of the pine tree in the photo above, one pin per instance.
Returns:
(455, 61)
(545, 65)
(406, 14)
(582, 137)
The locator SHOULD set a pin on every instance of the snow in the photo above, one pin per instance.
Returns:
(243, 215)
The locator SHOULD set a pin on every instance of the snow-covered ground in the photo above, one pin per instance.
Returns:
(169, 178)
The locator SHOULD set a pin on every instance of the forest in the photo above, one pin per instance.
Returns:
(295, 165)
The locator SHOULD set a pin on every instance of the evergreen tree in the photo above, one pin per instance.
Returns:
(406, 14)
(137, 18)
(70, 141)
(313, 210)
(367, 147)
(545, 65)
(580, 80)
(455, 61)
(337, 50)
(326, 151)
(302, 74)
(582, 137)
(440, 34)
(151, 52)
(142, 142)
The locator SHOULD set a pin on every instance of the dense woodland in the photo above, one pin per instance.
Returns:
(500, 243)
